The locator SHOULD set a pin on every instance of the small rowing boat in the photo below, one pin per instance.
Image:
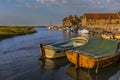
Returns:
(96, 53)
(57, 50)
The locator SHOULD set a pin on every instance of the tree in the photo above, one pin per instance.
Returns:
(64, 19)
(70, 17)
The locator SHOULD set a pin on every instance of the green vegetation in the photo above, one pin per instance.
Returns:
(10, 31)
(72, 20)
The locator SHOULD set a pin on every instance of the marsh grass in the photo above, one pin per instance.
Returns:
(10, 31)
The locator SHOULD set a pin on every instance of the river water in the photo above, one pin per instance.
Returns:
(19, 60)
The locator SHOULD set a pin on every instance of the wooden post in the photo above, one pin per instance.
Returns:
(77, 74)
(42, 52)
(97, 67)
(77, 61)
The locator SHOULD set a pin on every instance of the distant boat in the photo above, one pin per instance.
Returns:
(96, 53)
(117, 36)
(74, 29)
(83, 31)
(57, 50)
(107, 35)
(68, 29)
(51, 27)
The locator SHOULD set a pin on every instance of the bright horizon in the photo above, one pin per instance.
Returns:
(40, 12)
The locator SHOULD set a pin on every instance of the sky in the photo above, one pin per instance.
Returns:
(42, 12)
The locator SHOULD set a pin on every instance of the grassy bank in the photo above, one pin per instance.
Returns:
(9, 31)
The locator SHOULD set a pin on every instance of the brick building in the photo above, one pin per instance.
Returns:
(101, 20)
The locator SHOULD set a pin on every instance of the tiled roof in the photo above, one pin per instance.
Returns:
(102, 15)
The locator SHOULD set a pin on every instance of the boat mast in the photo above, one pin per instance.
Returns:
(50, 21)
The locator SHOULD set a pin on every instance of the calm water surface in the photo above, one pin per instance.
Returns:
(19, 60)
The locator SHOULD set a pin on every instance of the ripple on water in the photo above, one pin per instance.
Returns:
(19, 57)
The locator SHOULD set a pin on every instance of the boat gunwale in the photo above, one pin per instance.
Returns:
(53, 47)
(61, 49)
(97, 58)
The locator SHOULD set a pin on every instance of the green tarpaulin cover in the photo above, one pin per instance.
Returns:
(99, 48)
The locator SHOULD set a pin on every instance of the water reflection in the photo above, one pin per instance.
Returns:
(19, 58)
(53, 69)
(53, 64)
(68, 35)
(89, 74)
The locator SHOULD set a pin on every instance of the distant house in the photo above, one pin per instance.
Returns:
(101, 20)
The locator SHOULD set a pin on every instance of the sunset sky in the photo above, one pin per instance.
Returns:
(40, 12)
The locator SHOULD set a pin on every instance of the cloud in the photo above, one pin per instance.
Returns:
(30, 5)
(113, 1)
(52, 1)
(46, 1)
(26, 4)
(84, 5)
(75, 5)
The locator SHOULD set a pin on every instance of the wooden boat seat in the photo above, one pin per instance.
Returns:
(66, 45)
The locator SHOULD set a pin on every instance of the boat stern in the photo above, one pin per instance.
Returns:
(80, 60)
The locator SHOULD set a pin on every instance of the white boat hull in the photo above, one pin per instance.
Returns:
(52, 53)
(58, 50)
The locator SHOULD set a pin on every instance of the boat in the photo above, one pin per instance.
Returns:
(90, 74)
(107, 36)
(117, 36)
(85, 35)
(97, 53)
(79, 41)
(83, 31)
(74, 29)
(57, 50)
(68, 29)
(52, 27)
